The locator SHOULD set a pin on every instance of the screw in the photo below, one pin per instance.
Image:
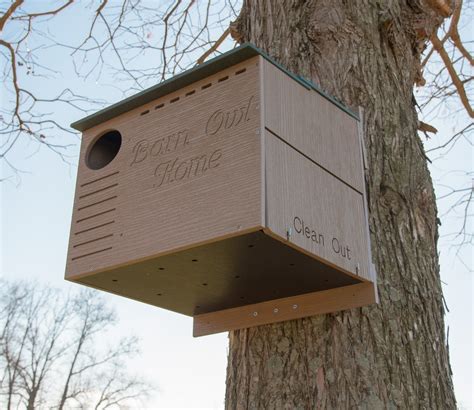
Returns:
(255, 314)
(275, 310)
(295, 306)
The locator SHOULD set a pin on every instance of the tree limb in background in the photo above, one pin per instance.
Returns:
(460, 208)
(26, 117)
(448, 79)
(438, 45)
(49, 355)
(120, 37)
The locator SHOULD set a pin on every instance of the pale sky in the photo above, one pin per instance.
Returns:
(188, 372)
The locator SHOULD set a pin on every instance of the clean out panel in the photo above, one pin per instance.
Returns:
(187, 171)
(313, 125)
(314, 210)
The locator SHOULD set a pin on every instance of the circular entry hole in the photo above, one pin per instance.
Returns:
(103, 150)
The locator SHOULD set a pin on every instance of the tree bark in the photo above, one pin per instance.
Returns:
(394, 355)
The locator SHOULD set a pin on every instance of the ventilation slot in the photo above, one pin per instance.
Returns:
(96, 203)
(174, 100)
(99, 190)
(145, 112)
(92, 253)
(206, 86)
(94, 240)
(243, 70)
(94, 227)
(99, 179)
(223, 79)
(95, 215)
(190, 93)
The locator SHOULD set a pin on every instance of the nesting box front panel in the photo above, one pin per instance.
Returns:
(188, 171)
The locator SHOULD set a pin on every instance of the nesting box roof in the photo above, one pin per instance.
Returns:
(221, 62)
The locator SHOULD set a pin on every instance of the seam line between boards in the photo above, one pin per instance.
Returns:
(313, 161)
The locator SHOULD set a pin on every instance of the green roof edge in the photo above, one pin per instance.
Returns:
(216, 64)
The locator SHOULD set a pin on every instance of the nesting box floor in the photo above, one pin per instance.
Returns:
(238, 271)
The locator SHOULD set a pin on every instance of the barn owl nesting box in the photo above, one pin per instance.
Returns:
(233, 193)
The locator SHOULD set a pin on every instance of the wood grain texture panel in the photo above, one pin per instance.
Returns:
(279, 310)
(188, 171)
(313, 125)
(326, 217)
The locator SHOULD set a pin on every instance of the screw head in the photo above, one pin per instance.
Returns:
(255, 314)
(295, 306)
(275, 310)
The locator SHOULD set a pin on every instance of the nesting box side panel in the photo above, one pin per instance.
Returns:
(311, 209)
(188, 172)
(313, 125)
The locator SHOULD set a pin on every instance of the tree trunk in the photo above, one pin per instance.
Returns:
(394, 355)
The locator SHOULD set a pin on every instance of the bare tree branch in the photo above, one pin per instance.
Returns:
(13, 7)
(214, 47)
(47, 337)
(453, 74)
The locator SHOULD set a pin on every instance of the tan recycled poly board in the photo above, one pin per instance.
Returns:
(316, 208)
(224, 195)
(279, 310)
(178, 180)
(312, 125)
